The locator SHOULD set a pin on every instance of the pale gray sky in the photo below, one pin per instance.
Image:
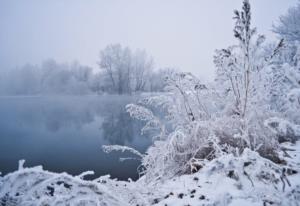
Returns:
(181, 33)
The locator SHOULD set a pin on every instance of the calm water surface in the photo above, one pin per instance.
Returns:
(66, 134)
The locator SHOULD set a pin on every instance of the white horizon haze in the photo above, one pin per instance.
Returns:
(177, 33)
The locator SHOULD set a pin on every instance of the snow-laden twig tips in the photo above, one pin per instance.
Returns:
(21, 164)
(110, 148)
(86, 173)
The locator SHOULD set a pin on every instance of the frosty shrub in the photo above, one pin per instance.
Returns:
(235, 112)
(286, 74)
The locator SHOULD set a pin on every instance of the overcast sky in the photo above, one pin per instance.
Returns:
(179, 33)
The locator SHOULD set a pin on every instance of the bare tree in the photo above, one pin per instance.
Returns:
(125, 70)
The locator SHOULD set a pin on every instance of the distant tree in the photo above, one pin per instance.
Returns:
(23, 81)
(288, 26)
(95, 83)
(125, 71)
(142, 70)
(48, 78)
(157, 79)
(115, 61)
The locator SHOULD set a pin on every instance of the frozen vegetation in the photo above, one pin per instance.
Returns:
(234, 141)
(247, 179)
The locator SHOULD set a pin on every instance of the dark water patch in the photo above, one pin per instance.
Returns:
(66, 134)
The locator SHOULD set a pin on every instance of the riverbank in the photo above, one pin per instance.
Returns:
(228, 180)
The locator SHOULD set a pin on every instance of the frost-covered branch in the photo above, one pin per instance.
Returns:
(111, 148)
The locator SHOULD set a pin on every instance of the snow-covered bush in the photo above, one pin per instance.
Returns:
(288, 25)
(35, 186)
(284, 130)
(286, 82)
(203, 122)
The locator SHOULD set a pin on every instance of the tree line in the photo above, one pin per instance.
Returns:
(120, 71)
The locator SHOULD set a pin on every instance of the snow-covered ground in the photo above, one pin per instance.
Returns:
(247, 180)
(228, 180)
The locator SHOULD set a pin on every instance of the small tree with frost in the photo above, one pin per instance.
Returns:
(245, 70)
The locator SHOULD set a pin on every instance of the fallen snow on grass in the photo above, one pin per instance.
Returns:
(228, 180)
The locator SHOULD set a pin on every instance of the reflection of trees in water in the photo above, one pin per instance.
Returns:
(75, 112)
(118, 127)
(57, 113)
(57, 118)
